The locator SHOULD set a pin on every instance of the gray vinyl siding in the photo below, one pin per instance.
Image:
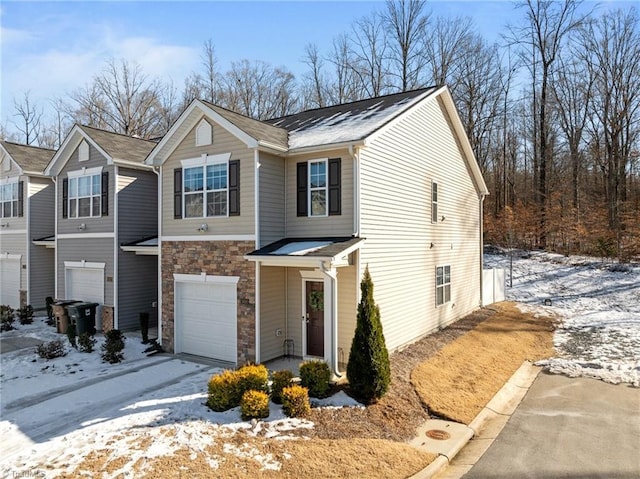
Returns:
(42, 224)
(403, 248)
(223, 142)
(101, 224)
(98, 250)
(348, 297)
(272, 199)
(339, 225)
(272, 312)
(137, 193)
(14, 243)
(137, 289)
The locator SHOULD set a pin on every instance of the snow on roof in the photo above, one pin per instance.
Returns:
(346, 122)
(301, 248)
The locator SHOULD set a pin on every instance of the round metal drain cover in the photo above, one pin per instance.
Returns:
(438, 434)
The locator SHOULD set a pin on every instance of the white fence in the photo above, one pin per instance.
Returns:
(493, 285)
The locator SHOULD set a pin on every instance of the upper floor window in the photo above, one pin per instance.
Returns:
(443, 285)
(319, 187)
(206, 187)
(9, 199)
(84, 193)
(434, 202)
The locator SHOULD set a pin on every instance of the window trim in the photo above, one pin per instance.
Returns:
(445, 286)
(203, 162)
(310, 190)
(85, 173)
(11, 181)
(434, 204)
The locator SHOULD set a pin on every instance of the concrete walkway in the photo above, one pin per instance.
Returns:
(8, 345)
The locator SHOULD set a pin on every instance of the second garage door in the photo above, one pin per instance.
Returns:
(10, 282)
(205, 319)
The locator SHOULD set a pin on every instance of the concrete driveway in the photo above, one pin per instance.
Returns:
(568, 428)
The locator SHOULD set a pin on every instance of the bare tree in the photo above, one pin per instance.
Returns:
(369, 50)
(449, 44)
(314, 81)
(611, 49)
(407, 23)
(29, 118)
(121, 99)
(209, 64)
(345, 86)
(544, 33)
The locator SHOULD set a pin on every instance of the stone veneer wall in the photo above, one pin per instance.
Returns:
(218, 258)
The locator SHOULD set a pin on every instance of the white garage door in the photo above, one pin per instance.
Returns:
(10, 282)
(85, 284)
(205, 319)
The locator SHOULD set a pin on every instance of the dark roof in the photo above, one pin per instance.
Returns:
(335, 247)
(348, 121)
(256, 129)
(29, 158)
(120, 146)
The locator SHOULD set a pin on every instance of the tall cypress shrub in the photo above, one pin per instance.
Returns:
(368, 370)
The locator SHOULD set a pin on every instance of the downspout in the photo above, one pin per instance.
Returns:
(356, 194)
(29, 245)
(159, 308)
(481, 251)
(55, 237)
(333, 274)
(256, 207)
(116, 319)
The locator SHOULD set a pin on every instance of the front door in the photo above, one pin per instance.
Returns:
(315, 318)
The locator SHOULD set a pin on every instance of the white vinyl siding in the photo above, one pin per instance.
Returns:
(225, 143)
(402, 246)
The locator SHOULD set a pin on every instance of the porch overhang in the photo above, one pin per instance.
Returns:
(147, 247)
(47, 242)
(325, 253)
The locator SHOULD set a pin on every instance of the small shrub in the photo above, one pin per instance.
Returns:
(71, 335)
(51, 349)
(254, 405)
(113, 346)
(223, 391)
(25, 314)
(315, 376)
(6, 317)
(86, 343)
(252, 377)
(295, 401)
(280, 380)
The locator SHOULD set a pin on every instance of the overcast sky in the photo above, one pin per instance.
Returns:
(53, 48)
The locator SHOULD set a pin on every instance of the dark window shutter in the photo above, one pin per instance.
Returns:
(105, 193)
(177, 193)
(234, 188)
(301, 171)
(335, 185)
(21, 198)
(65, 198)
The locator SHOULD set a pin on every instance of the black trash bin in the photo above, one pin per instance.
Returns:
(83, 315)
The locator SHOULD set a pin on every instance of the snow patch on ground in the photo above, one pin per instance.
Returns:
(598, 303)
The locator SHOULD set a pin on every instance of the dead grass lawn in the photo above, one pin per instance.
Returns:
(464, 375)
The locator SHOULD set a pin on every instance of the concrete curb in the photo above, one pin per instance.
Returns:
(499, 408)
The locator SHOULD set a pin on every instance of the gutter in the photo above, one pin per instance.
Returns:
(156, 170)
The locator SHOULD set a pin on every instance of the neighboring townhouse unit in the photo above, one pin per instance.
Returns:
(106, 223)
(266, 227)
(26, 226)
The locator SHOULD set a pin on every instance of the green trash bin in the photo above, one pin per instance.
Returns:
(83, 315)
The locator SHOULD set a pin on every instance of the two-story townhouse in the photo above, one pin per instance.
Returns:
(26, 226)
(266, 227)
(106, 203)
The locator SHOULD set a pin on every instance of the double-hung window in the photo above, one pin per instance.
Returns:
(318, 188)
(85, 194)
(205, 186)
(9, 199)
(443, 285)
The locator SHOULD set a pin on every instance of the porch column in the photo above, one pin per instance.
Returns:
(331, 309)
